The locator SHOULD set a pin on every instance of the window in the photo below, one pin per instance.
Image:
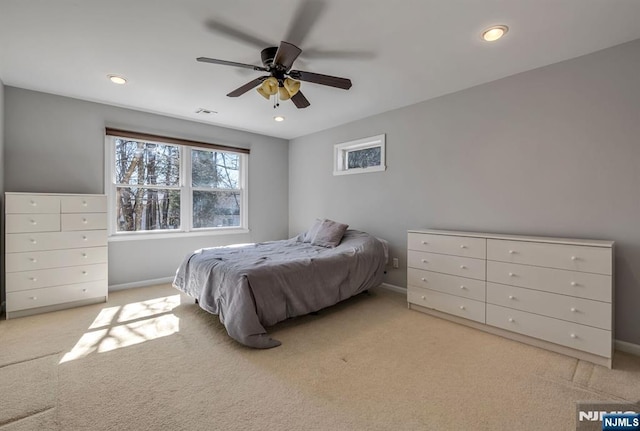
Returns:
(362, 155)
(159, 187)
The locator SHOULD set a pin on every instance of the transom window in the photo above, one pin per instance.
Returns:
(166, 187)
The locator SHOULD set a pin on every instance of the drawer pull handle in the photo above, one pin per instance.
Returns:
(33, 203)
(84, 290)
(463, 267)
(573, 336)
(84, 203)
(463, 246)
(463, 287)
(425, 242)
(511, 274)
(512, 251)
(33, 222)
(511, 319)
(84, 255)
(33, 259)
(84, 273)
(84, 237)
(85, 221)
(574, 258)
(462, 307)
(33, 278)
(423, 279)
(423, 297)
(574, 310)
(424, 261)
(33, 241)
(512, 297)
(33, 297)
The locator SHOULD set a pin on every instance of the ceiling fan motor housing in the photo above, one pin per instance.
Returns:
(268, 55)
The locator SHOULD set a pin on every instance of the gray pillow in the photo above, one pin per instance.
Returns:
(329, 234)
(308, 236)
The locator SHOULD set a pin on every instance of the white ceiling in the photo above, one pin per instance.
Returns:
(395, 52)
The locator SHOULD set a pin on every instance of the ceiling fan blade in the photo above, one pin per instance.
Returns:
(314, 53)
(299, 100)
(317, 78)
(246, 87)
(286, 55)
(236, 33)
(305, 16)
(230, 63)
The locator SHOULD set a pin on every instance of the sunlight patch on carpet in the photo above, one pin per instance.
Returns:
(127, 325)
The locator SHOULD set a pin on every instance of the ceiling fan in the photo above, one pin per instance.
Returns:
(281, 81)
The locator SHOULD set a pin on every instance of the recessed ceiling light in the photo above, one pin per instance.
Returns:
(117, 79)
(494, 33)
(278, 118)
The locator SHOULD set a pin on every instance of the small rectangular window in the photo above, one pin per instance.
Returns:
(360, 156)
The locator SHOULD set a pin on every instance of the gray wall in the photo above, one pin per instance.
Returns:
(56, 144)
(554, 152)
(1, 195)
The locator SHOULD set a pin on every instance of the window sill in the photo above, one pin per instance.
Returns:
(143, 236)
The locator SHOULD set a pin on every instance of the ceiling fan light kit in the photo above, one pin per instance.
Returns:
(292, 86)
(269, 87)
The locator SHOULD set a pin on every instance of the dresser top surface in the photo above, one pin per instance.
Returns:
(551, 240)
(51, 194)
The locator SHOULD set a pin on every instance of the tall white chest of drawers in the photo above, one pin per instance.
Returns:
(554, 293)
(56, 251)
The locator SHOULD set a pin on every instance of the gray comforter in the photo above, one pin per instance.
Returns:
(256, 285)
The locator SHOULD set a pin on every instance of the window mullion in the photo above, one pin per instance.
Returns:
(186, 195)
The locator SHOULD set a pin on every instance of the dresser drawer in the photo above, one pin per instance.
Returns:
(454, 265)
(29, 261)
(26, 280)
(15, 223)
(455, 245)
(28, 204)
(562, 256)
(576, 336)
(460, 286)
(83, 221)
(572, 283)
(20, 242)
(462, 307)
(83, 204)
(33, 298)
(578, 310)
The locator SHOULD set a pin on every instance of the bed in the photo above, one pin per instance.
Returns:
(253, 286)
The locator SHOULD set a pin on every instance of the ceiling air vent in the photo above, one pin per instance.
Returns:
(206, 111)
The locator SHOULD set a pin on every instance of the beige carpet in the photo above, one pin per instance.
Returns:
(150, 359)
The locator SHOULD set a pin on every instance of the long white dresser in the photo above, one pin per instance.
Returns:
(554, 293)
(56, 251)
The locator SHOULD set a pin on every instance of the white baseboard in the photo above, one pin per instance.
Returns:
(394, 288)
(626, 347)
(143, 283)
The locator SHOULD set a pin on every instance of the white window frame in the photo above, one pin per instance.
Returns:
(341, 153)
(186, 196)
